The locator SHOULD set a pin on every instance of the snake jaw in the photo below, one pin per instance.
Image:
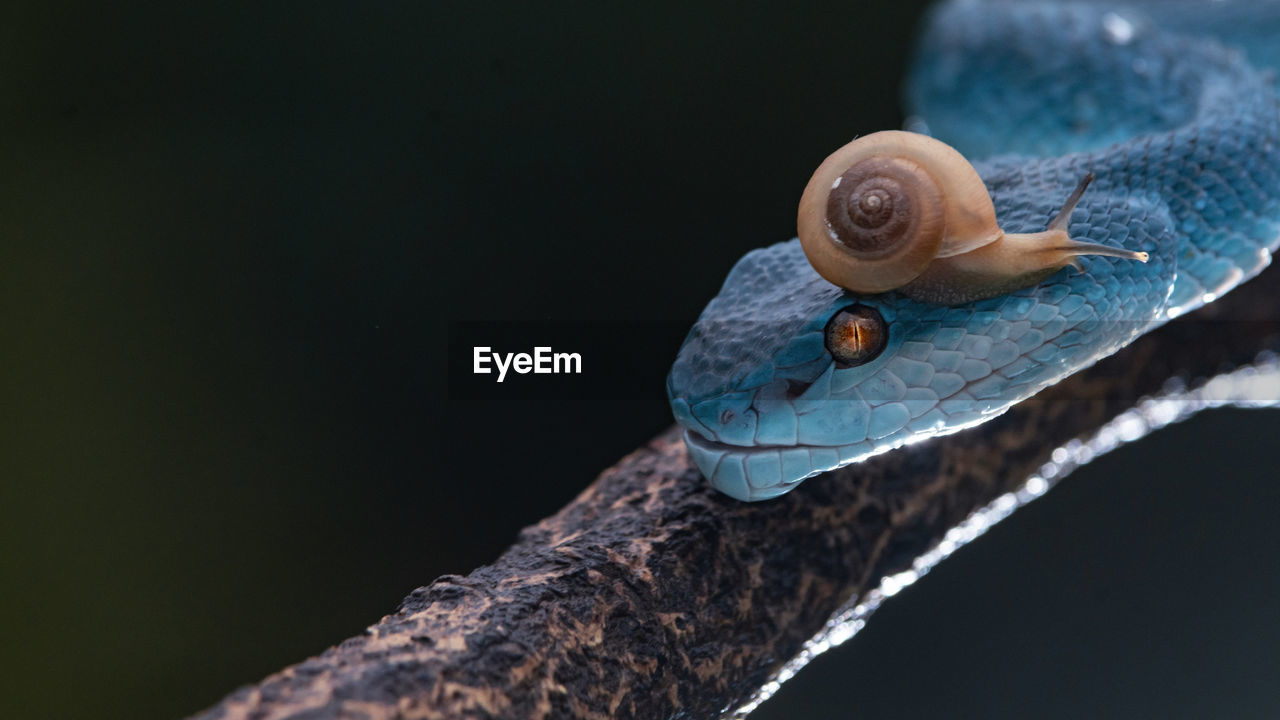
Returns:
(753, 473)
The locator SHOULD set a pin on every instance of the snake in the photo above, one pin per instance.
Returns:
(1168, 107)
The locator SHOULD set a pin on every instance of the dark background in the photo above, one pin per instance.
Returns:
(245, 253)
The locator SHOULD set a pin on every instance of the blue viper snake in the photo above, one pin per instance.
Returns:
(1164, 105)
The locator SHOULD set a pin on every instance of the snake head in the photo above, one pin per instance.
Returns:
(785, 375)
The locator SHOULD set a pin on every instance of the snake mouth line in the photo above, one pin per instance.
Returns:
(705, 443)
(733, 470)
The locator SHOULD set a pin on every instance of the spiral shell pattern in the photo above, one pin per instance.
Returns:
(874, 208)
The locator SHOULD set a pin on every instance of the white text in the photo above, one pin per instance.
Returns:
(541, 362)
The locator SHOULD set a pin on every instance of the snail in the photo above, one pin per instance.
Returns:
(896, 210)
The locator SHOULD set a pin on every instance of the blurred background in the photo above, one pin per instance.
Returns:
(245, 253)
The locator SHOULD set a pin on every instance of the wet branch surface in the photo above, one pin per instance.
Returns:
(652, 596)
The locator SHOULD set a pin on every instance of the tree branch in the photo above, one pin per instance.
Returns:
(652, 596)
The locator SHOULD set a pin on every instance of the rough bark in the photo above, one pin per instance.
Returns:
(651, 596)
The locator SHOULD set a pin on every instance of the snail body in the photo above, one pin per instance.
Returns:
(901, 211)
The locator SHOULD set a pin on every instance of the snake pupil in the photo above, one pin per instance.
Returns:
(856, 335)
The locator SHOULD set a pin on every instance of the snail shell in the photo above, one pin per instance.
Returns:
(901, 211)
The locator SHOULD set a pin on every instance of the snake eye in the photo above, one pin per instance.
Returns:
(856, 335)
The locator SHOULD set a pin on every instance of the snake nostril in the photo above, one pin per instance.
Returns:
(726, 417)
(795, 389)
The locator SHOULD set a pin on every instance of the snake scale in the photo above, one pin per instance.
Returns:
(1164, 103)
